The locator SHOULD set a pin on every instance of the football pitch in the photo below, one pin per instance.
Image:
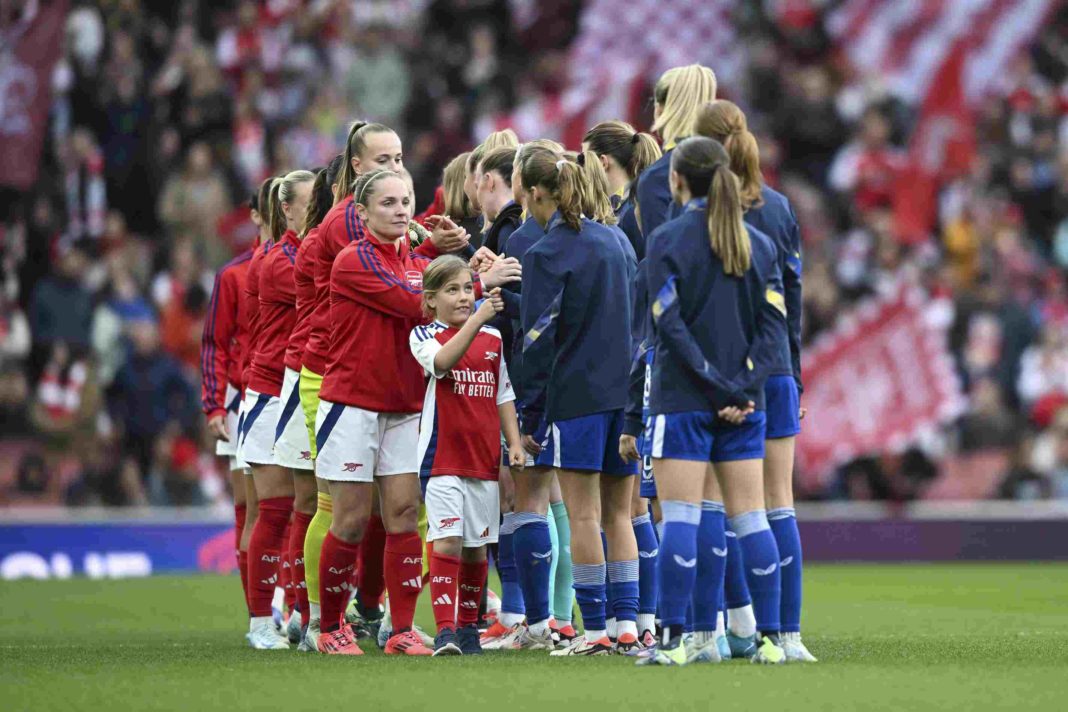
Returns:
(897, 637)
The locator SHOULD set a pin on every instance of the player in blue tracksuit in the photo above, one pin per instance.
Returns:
(717, 306)
(624, 154)
(678, 95)
(575, 316)
(769, 211)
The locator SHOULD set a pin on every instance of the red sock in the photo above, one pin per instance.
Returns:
(404, 577)
(242, 558)
(337, 573)
(297, 531)
(472, 579)
(428, 547)
(240, 511)
(265, 553)
(287, 568)
(242, 565)
(444, 572)
(369, 579)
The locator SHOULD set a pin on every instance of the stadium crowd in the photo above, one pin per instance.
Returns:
(166, 116)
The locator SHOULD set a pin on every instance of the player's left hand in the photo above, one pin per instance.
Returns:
(446, 235)
(802, 412)
(531, 445)
(517, 456)
(628, 448)
(735, 415)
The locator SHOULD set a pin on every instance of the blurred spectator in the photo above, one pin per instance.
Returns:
(192, 202)
(865, 169)
(150, 393)
(61, 308)
(85, 187)
(175, 475)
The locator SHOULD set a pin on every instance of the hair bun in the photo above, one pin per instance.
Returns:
(636, 137)
(560, 164)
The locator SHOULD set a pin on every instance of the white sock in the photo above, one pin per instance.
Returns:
(260, 621)
(741, 621)
(594, 635)
(720, 630)
(624, 627)
(511, 619)
(279, 599)
(540, 628)
(612, 627)
(647, 622)
(313, 611)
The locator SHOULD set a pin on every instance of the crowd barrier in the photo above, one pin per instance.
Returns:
(105, 543)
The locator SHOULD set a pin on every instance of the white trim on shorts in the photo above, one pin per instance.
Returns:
(261, 416)
(463, 506)
(292, 447)
(357, 445)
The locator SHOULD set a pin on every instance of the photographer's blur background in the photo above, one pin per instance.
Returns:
(924, 147)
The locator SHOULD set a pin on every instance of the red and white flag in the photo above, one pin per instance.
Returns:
(29, 49)
(881, 378)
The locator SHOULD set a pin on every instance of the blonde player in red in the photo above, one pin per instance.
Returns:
(469, 402)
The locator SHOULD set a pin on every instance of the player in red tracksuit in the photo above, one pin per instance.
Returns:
(469, 402)
(367, 427)
(222, 346)
(369, 146)
(272, 322)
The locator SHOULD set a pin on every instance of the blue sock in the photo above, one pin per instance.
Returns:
(783, 523)
(533, 557)
(645, 536)
(761, 558)
(590, 594)
(623, 589)
(511, 593)
(677, 564)
(711, 565)
(735, 589)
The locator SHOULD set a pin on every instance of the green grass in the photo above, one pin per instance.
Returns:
(895, 638)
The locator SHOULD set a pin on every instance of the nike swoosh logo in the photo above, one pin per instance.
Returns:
(786, 562)
(685, 563)
(766, 572)
(649, 554)
(719, 552)
(546, 555)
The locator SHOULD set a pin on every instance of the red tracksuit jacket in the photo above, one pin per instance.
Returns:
(277, 315)
(304, 283)
(252, 308)
(225, 338)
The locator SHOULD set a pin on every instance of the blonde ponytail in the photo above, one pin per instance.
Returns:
(679, 92)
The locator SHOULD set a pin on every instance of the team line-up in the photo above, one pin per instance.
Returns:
(556, 324)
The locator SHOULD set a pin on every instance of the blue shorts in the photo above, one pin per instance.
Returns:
(783, 407)
(699, 435)
(647, 486)
(589, 442)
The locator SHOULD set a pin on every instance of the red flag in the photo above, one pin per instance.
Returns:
(942, 147)
(882, 377)
(29, 49)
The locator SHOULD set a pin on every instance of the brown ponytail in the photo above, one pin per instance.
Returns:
(705, 166)
(723, 121)
(632, 150)
(354, 145)
(276, 219)
(561, 178)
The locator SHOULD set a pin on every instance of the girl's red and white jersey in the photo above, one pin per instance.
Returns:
(460, 430)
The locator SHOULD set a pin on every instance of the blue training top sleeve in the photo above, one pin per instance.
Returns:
(671, 328)
(791, 280)
(642, 337)
(763, 350)
(540, 317)
(653, 201)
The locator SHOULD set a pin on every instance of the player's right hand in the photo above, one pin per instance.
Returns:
(217, 427)
(482, 259)
(531, 445)
(628, 448)
(735, 415)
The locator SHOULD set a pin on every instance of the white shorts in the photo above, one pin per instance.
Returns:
(256, 444)
(291, 446)
(462, 506)
(356, 445)
(228, 448)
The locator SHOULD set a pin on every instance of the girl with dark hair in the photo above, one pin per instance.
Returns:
(624, 154)
(717, 306)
